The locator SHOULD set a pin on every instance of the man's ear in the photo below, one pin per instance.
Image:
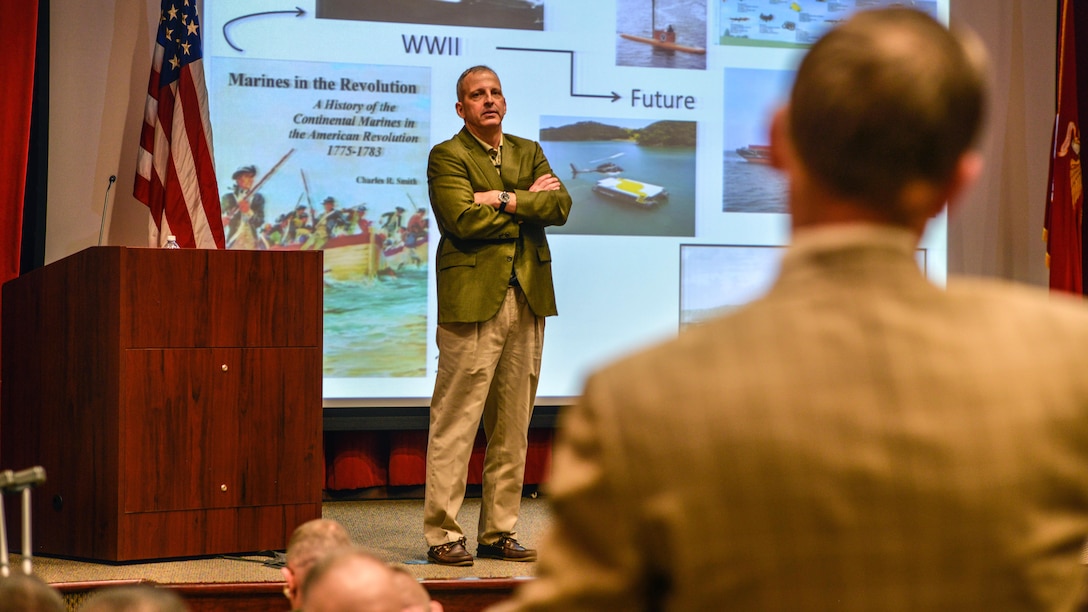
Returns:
(460, 109)
(289, 578)
(967, 171)
(921, 200)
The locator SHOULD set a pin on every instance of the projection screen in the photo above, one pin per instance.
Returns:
(653, 114)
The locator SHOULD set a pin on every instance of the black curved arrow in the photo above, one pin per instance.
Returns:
(298, 12)
(614, 96)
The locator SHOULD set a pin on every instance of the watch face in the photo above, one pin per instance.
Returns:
(504, 197)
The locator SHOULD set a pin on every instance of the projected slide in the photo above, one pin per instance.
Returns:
(786, 23)
(653, 113)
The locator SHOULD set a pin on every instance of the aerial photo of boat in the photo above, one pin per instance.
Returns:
(615, 187)
(636, 177)
(630, 191)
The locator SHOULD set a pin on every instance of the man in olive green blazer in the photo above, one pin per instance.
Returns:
(857, 439)
(479, 243)
(492, 195)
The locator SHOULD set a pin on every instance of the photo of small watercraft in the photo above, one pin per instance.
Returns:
(664, 38)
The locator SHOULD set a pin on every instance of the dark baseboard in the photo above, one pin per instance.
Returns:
(405, 418)
(454, 595)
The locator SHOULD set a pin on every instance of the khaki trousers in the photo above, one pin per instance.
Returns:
(487, 370)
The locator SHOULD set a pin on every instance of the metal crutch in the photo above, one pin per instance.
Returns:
(13, 482)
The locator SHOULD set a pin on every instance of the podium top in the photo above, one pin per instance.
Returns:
(178, 298)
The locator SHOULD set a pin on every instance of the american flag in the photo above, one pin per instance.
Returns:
(175, 169)
(1063, 224)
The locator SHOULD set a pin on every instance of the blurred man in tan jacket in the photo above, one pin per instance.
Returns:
(856, 439)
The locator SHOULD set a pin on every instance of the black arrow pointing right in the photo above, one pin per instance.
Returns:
(614, 96)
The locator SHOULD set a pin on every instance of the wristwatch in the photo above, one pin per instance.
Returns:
(504, 199)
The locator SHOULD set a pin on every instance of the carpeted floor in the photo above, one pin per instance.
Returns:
(392, 529)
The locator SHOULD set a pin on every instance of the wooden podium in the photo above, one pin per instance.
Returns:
(172, 396)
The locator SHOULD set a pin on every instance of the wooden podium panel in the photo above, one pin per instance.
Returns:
(172, 396)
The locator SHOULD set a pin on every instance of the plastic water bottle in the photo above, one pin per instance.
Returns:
(171, 242)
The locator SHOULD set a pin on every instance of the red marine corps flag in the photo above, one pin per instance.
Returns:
(175, 170)
(1064, 207)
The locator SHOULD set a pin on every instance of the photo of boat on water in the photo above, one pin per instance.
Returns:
(749, 183)
(509, 14)
(792, 24)
(661, 33)
(627, 177)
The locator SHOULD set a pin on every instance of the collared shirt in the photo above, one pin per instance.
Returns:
(495, 154)
(496, 158)
(815, 239)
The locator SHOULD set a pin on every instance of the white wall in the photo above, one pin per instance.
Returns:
(998, 229)
(99, 63)
(101, 56)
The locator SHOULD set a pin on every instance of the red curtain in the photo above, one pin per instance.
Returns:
(364, 459)
(18, 32)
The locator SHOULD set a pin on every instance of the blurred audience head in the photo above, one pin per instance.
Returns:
(22, 593)
(310, 542)
(414, 597)
(884, 111)
(350, 581)
(135, 598)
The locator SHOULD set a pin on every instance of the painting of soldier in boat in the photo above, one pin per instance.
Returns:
(357, 245)
(375, 261)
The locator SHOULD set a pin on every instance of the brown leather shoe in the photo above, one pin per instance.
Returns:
(450, 553)
(506, 549)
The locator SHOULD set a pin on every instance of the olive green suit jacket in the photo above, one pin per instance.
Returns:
(480, 246)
